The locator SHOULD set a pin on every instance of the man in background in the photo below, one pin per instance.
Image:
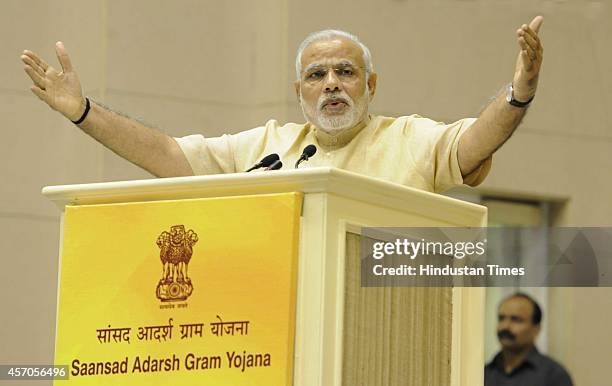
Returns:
(519, 363)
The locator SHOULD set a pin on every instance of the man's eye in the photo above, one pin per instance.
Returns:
(345, 72)
(316, 75)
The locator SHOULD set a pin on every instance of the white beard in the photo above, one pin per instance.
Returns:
(334, 124)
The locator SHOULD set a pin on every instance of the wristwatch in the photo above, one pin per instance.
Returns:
(510, 98)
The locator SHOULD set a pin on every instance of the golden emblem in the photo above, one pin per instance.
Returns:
(175, 250)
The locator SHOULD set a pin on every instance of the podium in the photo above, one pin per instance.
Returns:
(341, 333)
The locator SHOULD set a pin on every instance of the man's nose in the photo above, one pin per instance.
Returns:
(503, 325)
(332, 83)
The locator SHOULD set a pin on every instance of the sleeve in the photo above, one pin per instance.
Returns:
(208, 155)
(447, 173)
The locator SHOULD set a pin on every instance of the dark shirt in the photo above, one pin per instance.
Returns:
(535, 370)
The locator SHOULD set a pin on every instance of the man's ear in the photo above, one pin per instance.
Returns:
(537, 331)
(296, 84)
(372, 84)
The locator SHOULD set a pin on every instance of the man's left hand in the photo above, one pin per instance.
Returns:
(529, 60)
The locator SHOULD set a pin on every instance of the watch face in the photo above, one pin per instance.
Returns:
(509, 93)
(510, 98)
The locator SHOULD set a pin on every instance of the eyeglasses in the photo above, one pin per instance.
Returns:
(344, 72)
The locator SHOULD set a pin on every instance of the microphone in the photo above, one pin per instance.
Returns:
(265, 162)
(275, 166)
(308, 152)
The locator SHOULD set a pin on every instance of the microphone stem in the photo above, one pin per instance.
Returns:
(299, 161)
(253, 168)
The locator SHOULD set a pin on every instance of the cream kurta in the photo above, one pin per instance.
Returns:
(412, 150)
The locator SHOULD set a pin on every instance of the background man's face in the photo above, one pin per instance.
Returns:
(332, 86)
(515, 328)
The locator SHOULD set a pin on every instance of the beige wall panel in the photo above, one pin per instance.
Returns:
(592, 316)
(559, 319)
(551, 165)
(591, 334)
(579, 319)
(294, 111)
(203, 50)
(15, 16)
(576, 87)
(118, 169)
(29, 289)
(39, 148)
(37, 25)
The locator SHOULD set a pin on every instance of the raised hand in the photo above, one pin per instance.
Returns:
(61, 90)
(529, 60)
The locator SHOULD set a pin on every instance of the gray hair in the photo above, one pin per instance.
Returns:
(330, 34)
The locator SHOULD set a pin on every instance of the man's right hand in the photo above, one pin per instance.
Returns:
(144, 146)
(61, 90)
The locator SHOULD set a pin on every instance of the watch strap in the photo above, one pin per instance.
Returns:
(510, 98)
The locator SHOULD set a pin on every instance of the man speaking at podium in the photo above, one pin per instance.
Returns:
(335, 84)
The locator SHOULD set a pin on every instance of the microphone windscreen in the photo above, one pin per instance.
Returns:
(310, 150)
(269, 160)
(276, 165)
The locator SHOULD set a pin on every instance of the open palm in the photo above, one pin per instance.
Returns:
(529, 60)
(61, 90)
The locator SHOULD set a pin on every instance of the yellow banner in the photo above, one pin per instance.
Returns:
(190, 292)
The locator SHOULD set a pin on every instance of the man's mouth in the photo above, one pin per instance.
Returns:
(334, 103)
(505, 334)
